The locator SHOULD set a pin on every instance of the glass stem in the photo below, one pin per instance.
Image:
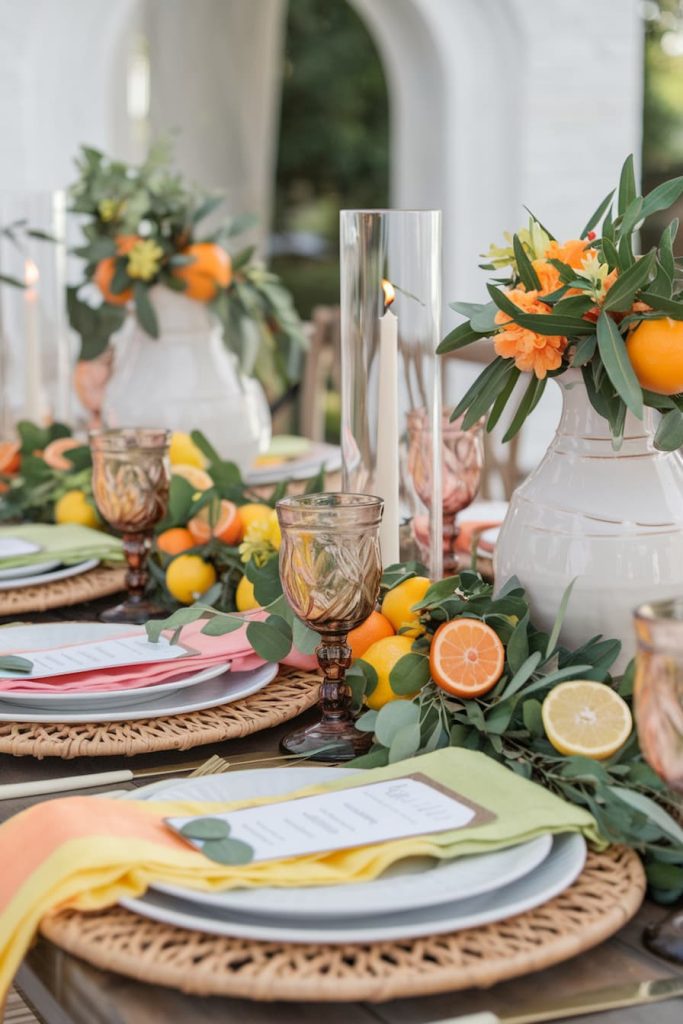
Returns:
(136, 548)
(334, 658)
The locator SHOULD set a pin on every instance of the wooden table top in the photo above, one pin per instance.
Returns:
(64, 990)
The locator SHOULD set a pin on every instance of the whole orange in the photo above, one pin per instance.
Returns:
(10, 457)
(210, 270)
(374, 628)
(655, 349)
(106, 268)
(175, 540)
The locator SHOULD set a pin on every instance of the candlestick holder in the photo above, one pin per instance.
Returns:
(35, 340)
(390, 329)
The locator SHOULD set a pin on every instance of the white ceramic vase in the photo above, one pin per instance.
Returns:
(611, 519)
(186, 380)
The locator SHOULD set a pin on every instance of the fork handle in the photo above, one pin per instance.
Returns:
(41, 787)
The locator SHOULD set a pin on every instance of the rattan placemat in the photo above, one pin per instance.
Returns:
(99, 582)
(291, 693)
(606, 895)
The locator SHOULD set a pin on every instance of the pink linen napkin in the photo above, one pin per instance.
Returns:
(211, 650)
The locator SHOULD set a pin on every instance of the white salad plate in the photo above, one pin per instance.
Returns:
(39, 576)
(550, 876)
(61, 634)
(223, 689)
(319, 454)
(412, 884)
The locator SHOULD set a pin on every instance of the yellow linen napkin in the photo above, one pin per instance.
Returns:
(89, 852)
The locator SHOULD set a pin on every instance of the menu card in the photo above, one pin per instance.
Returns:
(135, 649)
(364, 815)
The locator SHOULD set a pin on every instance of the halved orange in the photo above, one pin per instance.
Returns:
(466, 658)
(227, 525)
(54, 453)
(10, 459)
(199, 478)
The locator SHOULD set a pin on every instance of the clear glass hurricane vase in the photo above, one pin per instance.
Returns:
(390, 329)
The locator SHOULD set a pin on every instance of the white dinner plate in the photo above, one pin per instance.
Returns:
(411, 884)
(49, 577)
(59, 634)
(20, 571)
(554, 874)
(224, 689)
(319, 454)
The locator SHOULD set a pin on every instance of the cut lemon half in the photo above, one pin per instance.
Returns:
(466, 658)
(586, 718)
(195, 476)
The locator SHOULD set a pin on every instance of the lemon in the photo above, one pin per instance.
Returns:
(74, 507)
(188, 577)
(582, 717)
(382, 656)
(254, 513)
(244, 596)
(184, 452)
(398, 602)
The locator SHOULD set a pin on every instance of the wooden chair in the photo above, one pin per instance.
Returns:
(322, 370)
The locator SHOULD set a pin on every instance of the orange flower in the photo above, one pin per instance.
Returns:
(572, 252)
(548, 276)
(532, 352)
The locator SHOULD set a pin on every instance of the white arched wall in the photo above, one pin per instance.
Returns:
(498, 103)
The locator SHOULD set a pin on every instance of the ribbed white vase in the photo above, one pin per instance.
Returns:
(611, 519)
(186, 380)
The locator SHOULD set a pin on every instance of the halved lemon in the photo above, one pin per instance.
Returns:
(195, 476)
(586, 718)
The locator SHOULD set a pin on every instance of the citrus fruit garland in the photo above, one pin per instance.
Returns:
(586, 718)
(466, 657)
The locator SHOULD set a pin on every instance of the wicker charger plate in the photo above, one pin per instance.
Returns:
(291, 693)
(606, 895)
(99, 582)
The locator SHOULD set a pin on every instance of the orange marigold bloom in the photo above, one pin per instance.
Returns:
(532, 352)
(572, 252)
(548, 276)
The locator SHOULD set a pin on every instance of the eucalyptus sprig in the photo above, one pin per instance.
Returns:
(587, 316)
(629, 802)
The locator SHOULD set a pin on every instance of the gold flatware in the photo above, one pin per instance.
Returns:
(65, 784)
(615, 997)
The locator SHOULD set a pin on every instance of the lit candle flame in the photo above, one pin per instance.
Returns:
(389, 293)
(31, 273)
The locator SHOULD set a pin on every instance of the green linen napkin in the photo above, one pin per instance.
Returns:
(67, 542)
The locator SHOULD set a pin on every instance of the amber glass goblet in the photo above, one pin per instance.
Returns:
(659, 716)
(131, 475)
(330, 567)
